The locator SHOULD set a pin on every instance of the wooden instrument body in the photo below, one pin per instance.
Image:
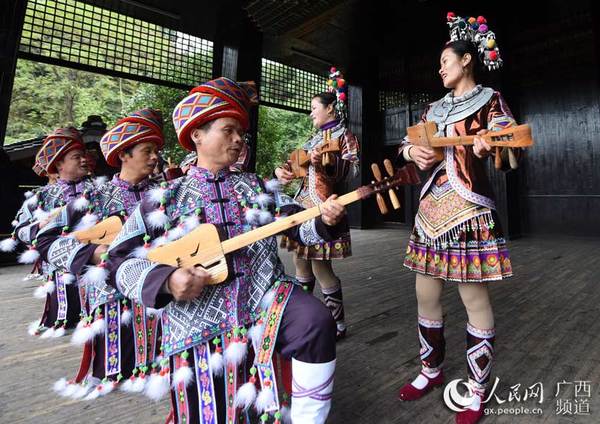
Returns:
(424, 135)
(103, 232)
(299, 161)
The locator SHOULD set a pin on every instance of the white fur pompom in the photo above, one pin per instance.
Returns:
(154, 312)
(126, 317)
(255, 334)
(157, 242)
(157, 386)
(48, 333)
(31, 200)
(265, 217)
(264, 200)
(191, 222)
(33, 328)
(157, 219)
(157, 194)
(29, 256)
(286, 415)
(82, 335)
(80, 390)
(88, 221)
(236, 352)
(267, 300)
(70, 389)
(98, 326)
(67, 278)
(98, 181)
(94, 394)
(127, 385)
(106, 387)
(245, 396)
(138, 385)
(8, 245)
(40, 292)
(264, 400)
(14, 223)
(183, 375)
(59, 332)
(216, 364)
(273, 185)
(95, 275)
(252, 215)
(176, 233)
(59, 386)
(140, 252)
(81, 203)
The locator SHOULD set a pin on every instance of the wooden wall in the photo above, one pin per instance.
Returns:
(550, 80)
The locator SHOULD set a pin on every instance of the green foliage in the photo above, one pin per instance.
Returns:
(45, 97)
(279, 132)
(164, 99)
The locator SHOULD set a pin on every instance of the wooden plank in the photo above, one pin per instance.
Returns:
(546, 321)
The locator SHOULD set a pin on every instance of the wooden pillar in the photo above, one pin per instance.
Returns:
(11, 24)
(363, 114)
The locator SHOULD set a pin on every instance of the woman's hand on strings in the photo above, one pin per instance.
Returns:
(481, 148)
(423, 157)
(284, 174)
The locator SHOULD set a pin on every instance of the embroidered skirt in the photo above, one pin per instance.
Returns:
(456, 240)
(336, 249)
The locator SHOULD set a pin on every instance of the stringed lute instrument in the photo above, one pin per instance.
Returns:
(204, 247)
(424, 135)
(103, 232)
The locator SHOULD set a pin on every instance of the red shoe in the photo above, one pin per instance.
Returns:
(410, 392)
(470, 416)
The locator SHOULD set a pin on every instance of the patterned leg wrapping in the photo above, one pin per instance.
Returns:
(433, 349)
(433, 344)
(480, 354)
(334, 300)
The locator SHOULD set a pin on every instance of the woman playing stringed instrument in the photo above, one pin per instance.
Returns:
(456, 237)
(328, 115)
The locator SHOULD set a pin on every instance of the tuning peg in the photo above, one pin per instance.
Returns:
(376, 171)
(380, 201)
(498, 159)
(390, 170)
(389, 167)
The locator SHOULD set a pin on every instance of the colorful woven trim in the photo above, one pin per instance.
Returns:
(112, 339)
(204, 383)
(61, 295)
(231, 385)
(181, 397)
(272, 322)
(139, 329)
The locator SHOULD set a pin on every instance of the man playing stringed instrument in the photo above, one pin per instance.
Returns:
(62, 153)
(207, 328)
(109, 328)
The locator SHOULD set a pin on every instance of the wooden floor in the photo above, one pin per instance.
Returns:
(548, 331)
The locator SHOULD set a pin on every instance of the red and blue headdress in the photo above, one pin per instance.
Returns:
(56, 145)
(142, 126)
(218, 98)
